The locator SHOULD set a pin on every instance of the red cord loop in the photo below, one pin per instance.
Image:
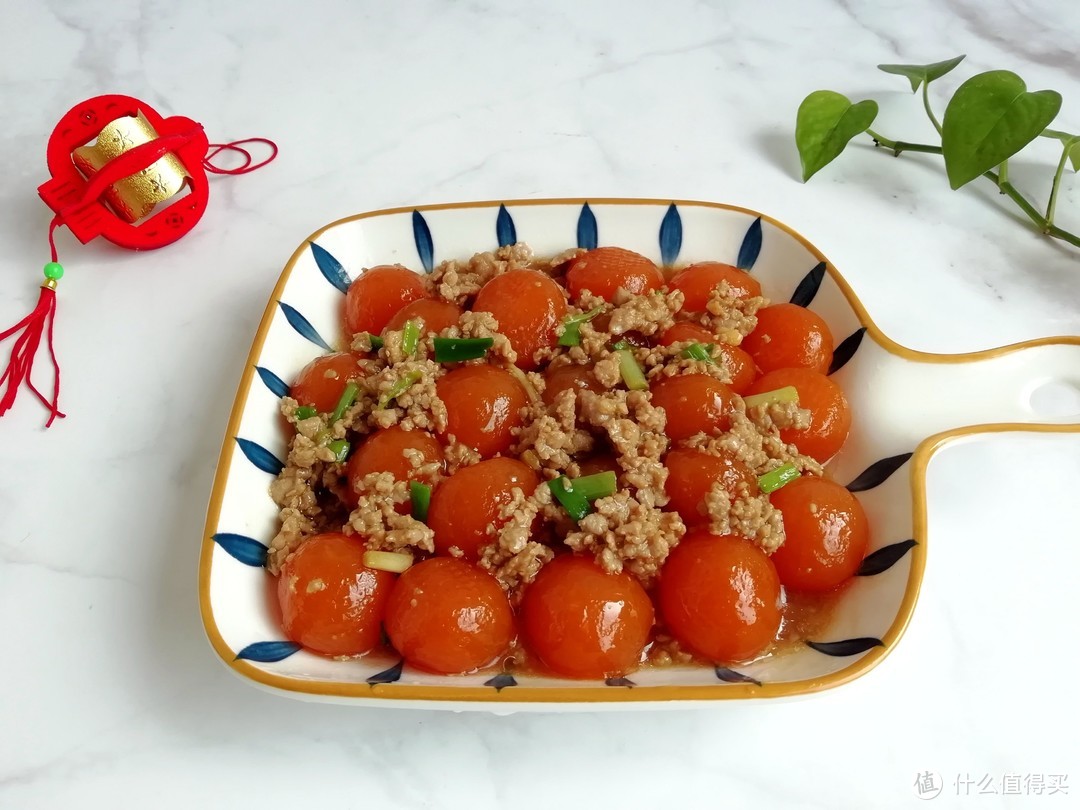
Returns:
(249, 165)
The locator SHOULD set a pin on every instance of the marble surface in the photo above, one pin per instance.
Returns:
(111, 696)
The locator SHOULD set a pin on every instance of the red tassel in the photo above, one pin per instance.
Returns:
(33, 326)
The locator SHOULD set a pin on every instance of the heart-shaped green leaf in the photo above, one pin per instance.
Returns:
(990, 118)
(917, 74)
(825, 123)
(1071, 143)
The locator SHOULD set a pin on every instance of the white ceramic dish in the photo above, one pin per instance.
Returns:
(895, 430)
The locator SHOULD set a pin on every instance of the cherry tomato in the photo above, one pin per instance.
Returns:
(483, 406)
(739, 363)
(580, 378)
(826, 534)
(384, 451)
(830, 416)
(698, 281)
(582, 622)
(720, 597)
(436, 315)
(692, 473)
(331, 603)
(321, 382)
(790, 336)
(604, 270)
(528, 306)
(377, 294)
(448, 616)
(466, 503)
(694, 403)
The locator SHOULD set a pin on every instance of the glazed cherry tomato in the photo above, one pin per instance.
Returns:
(331, 603)
(830, 416)
(698, 281)
(448, 616)
(376, 296)
(604, 270)
(580, 378)
(528, 306)
(384, 451)
(483, 406)
(692, 473)
(739, 363)
(466, 503)
(790, 336)
(826, 534)
(582, 622)
(720, 597)
(321, 382)
(436, 315)
(694, 403)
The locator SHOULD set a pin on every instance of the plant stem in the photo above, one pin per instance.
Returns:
(902, 146)
(926, 106)
(1045, 224)
(1052, 204)
(1003, 172)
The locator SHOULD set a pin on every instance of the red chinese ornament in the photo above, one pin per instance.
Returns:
(122, 172)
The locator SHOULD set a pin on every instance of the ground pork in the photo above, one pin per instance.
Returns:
(418, 407)
(750, 516)
(730, 317)
(377, 520)
(635, 428)
(665, 651)
(759, 448)
(458, 281)
(484, 325)
(550, 438)
(514, 559)
(625, 532)
(667, 361)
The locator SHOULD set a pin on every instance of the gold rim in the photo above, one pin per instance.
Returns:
(575, 694)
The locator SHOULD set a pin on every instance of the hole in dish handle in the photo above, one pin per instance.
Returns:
(899, 401)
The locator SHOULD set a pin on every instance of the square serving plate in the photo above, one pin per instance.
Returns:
(895, 431)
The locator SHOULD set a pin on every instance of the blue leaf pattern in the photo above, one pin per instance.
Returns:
(272, 381)
(245, 549)
(884, 558)
(303, 326)
(731, 676)
(751, 246)
(629, 684)
(388, 675)
(846, 350)
(505, 231)
(849, 646)
(260, 456)
(670, 235)
(330, 267)
(587, 235)
(501, 681)
(808, 287)
(425, 248)
(878, 472)
(267, 652)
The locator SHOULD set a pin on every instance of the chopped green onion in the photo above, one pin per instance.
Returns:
(304, 412)
(621, 345)
(420, 495)
(376, 341)
(575, 503)
(453, 350)
(410, 337)
(788, 393)
(772, 481)
(631, 372)
(571, 335)
(348, 397)
(598, 485)
(340, 448)
(399, 388)
(695, 351)
(392, 561)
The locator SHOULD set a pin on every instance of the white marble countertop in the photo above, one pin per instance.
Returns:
(110, 693)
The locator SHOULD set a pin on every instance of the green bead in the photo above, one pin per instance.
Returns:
(54, 270)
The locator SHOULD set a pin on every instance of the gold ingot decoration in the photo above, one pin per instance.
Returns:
(135, 196)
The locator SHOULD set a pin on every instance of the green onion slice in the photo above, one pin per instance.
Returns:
(305, 412)
(420, 495)
(340, 448)
(696, 351)
(631, 372)
(453, 350)
(572, 500)
(348, 397)
(376, 341)
(772, 481)
(786, 394)
(399, 388)
(571, 335)
(598, 485)
(410, 337)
